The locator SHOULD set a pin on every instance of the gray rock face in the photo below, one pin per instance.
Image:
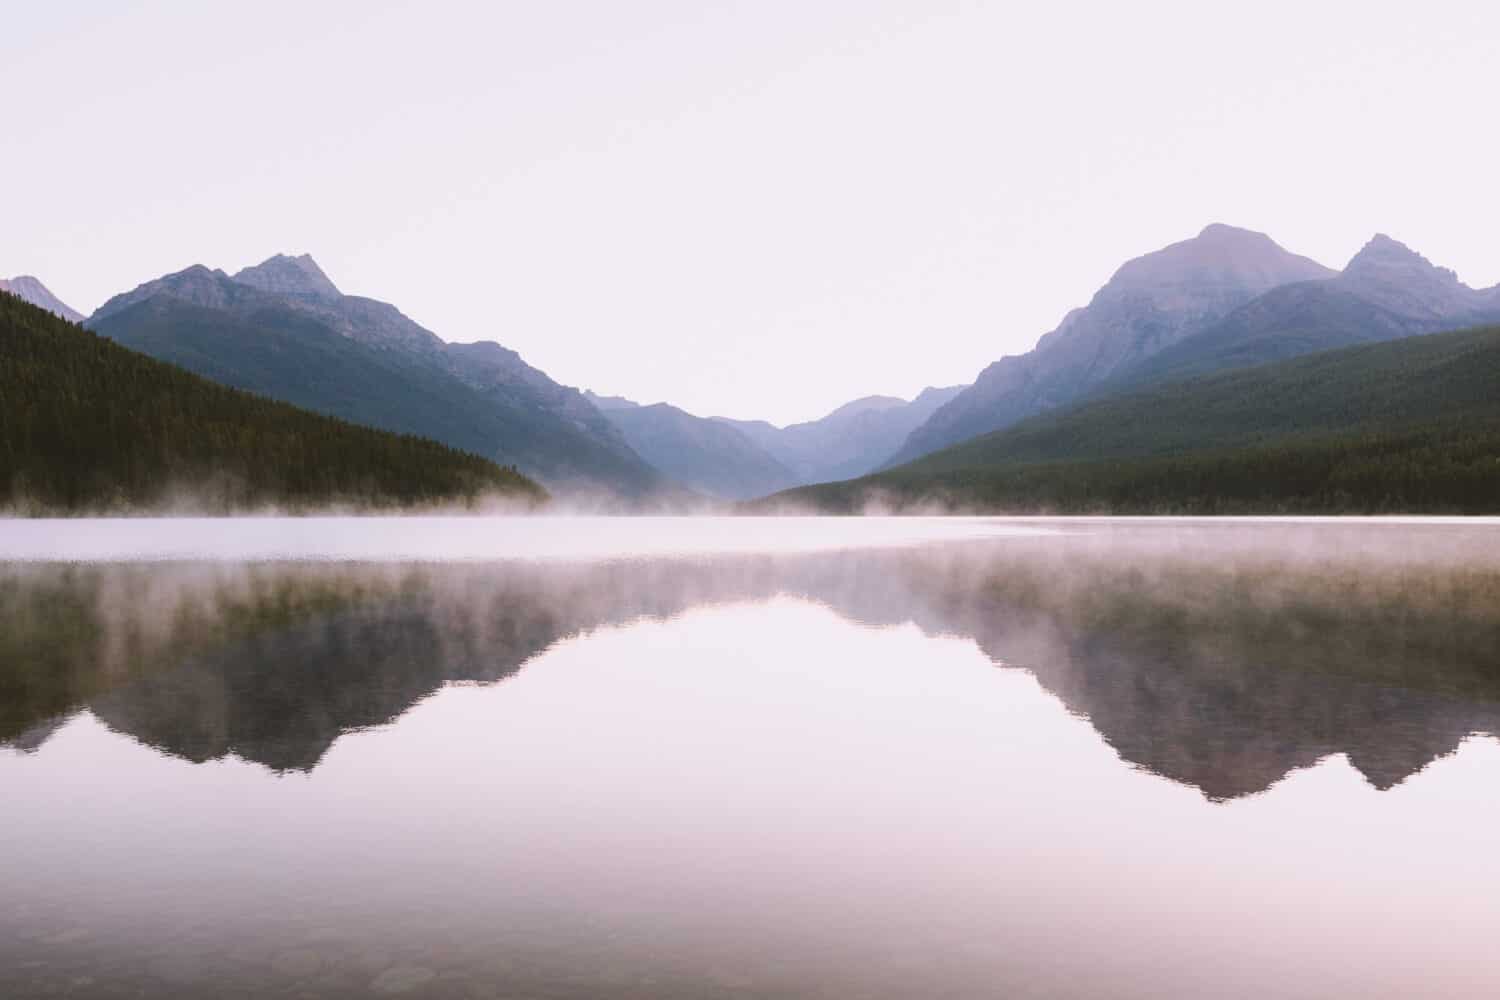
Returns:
(300, 282)
(196, 285)
(289, 282)
(1150, 304)
(31, 289)
(284, 275)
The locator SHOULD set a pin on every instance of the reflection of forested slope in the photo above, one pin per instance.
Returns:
(1207, 662)
(72, 633)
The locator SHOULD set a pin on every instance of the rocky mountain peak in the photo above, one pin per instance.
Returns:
(199, 285)
(1151, 303)
(31, 289)
(1396, 277)
(1219, 255)
(287, 275)
(1382, 252)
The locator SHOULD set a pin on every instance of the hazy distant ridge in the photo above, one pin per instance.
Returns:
(705, 455)
(854, 439)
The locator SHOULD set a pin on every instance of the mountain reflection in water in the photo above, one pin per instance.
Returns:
(1222, 658)
(1216, 662)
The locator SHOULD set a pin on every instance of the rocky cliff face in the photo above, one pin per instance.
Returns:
(31, 289)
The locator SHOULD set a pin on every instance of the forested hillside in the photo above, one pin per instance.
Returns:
(283, 330)
(87, 425)
(1409, 425)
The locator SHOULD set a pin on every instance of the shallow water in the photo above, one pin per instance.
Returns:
(845, 758)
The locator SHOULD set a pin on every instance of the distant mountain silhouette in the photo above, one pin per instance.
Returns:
(856, 438)
(741, 459)
(284, 330)
(32, 290)
(705, 455)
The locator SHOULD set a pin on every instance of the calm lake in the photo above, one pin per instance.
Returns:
(699, 758)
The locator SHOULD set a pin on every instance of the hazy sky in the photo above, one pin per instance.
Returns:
(757, 209)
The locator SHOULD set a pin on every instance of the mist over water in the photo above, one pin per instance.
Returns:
(743, 758)
(469, 539)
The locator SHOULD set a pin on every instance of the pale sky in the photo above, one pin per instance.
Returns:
(756, 209)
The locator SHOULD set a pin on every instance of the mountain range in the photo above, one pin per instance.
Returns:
(1225, 298)
(856, 438)
(740, 459)
(87, 425)
(1405, 426)
(282, 329)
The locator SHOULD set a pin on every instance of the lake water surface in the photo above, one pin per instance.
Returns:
(699, 758)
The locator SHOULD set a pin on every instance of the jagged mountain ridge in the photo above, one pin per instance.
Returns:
(287, 275)
(1149, 304)
(284, 330)
(1387, 291)
(1164, 316)
(1395, 277)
